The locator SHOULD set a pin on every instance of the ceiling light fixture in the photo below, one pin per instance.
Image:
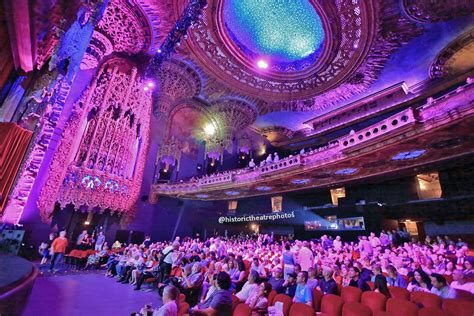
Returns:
(262, 64)
(209, 129)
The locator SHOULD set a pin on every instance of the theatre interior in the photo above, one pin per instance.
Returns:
(237, 157)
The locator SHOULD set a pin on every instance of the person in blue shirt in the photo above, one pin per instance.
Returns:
(303, 292)
(394, 278)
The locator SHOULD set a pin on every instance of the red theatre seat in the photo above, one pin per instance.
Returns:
(458, 307)
(375, 301)
(271, 297)
(286, 300)
(381, 313)
(399, 292)
(183, 309)
(464, 295)
(331, 305)
(235, 301)
(317, 298)
(355, 309)
(351, 294)
(433, 311)
(301, 309)
(401, 307)
(242, 310)
(423, 299)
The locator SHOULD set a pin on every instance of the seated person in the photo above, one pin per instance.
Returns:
(220, 302)
(249, 286)
(170, 302)
(459, 282)
(441, 287)
(258, 300)
(191, 282)
(421, 282)
(303, 293)
(289, 287)
(394, 278)
(327, 284)
(276, 280)
(312, 278)
(257, 266)
(356, 281)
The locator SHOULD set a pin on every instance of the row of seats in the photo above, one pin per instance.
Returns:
(354, 302)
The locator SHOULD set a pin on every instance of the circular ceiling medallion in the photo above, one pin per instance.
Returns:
(285, 34)
(283, 50)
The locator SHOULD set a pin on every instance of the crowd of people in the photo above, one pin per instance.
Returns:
(208, 271)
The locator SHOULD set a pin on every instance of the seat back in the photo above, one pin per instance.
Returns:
(235, 301)
(331, 305)
(271, 297)
(317, 297)
(382, 313)
(375, 301)
(286, 300)
(371, 285)
(183, 308)
(424, 299)
(356, 309)
(399, 292)
(433, 311)
(242, 309)
(464, 295)
(458, 307)
(401, 307)
(299, 309)
(351, 294)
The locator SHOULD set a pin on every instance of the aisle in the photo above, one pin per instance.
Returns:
(85, 294)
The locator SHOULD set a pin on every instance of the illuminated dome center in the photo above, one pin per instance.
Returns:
(284, 31)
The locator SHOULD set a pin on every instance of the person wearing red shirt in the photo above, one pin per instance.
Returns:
(58, 247)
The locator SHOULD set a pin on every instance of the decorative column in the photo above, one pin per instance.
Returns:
(100, 160)
(63, 66)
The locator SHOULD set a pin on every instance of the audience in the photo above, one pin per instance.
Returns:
(208, 271)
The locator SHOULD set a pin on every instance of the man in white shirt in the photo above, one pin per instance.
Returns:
(459, 282)
(170, 306)
(249, 286)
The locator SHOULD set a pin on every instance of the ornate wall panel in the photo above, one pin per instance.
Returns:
(456, 58)
(101, 158)
(434, 11)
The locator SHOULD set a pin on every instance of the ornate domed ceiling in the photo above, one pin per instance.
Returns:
(309, 56)
(287, 34)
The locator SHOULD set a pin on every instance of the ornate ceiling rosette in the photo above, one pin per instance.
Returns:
(357, 39)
